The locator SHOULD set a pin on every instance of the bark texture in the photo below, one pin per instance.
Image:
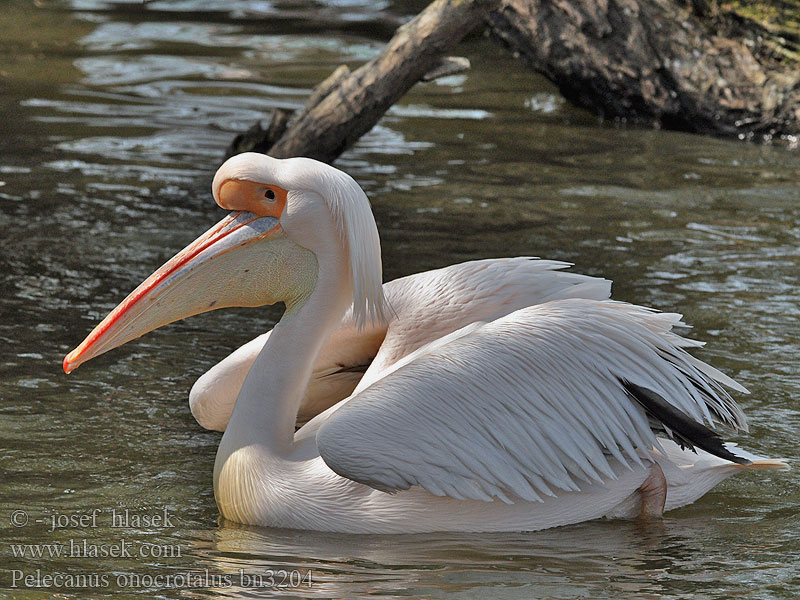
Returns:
(692, 65)
(656, 62)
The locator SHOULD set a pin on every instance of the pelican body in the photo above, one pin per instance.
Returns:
(497, 395)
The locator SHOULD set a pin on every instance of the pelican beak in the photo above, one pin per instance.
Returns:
(206, 275)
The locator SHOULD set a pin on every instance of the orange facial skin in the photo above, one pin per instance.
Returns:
(258, 198)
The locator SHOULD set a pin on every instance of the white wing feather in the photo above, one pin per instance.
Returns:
(424, 307)
(525, 406)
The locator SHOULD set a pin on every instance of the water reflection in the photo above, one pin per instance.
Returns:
(601, 559)
(114, 119)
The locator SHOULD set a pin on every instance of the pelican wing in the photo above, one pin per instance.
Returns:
(530, 405)
(435, 303)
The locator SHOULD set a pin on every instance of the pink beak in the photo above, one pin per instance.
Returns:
(204, 276)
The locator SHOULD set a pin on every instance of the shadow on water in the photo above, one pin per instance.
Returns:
(114, 118)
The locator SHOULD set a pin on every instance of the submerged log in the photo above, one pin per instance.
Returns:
(258, 139)
(347, 105)
(688, 67)
(677, 64)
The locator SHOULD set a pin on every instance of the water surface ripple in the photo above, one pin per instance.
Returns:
(115, 116)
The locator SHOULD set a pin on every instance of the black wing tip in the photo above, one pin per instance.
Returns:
(685, 429)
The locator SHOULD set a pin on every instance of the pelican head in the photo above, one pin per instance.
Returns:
(288, 216)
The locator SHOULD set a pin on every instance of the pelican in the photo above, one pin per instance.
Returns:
(513, 415)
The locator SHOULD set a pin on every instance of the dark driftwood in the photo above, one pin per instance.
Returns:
(656, 62)
(258, 139)
(347, 105)
(677, 64)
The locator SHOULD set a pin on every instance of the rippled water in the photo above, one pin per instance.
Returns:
(114, 118)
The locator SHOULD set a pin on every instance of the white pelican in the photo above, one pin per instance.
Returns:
(530, 417)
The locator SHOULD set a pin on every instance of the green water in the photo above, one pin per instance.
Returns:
(113, 118)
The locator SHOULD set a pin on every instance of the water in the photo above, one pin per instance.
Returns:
(114, 118)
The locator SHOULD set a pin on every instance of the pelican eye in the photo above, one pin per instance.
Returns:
(269, 195)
